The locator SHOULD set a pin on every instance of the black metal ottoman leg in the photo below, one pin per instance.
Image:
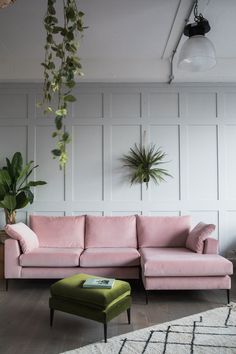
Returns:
(51, 317)
(228, 295)
(128, 315)
(105, 332)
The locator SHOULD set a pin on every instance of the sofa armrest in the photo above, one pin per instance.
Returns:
(211, 246)
(12, 254)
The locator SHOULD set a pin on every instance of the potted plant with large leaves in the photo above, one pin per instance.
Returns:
(144, 164)
(15, 188)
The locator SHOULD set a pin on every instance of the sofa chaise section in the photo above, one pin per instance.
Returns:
(168, 265)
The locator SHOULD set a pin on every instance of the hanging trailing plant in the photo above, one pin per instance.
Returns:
(61, 66)
(144, 164)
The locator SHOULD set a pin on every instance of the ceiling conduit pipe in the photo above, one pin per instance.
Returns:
(171, 76)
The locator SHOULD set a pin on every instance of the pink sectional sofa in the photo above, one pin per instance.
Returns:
(161, 249)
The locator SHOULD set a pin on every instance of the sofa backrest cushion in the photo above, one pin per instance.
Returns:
(163, 231)
(198, 235)
(59, 231)
(110, 231)
(22, 233)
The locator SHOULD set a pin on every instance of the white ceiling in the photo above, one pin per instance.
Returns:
(127, 40)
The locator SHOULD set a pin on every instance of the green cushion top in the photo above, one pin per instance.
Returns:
(72, 288)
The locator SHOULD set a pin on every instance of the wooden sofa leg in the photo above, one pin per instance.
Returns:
(128, 315)
(51, 317)
(228, 296)
(105, 332)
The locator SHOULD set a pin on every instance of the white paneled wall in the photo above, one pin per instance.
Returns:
(195, 125)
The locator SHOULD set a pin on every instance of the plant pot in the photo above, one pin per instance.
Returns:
(10, 216)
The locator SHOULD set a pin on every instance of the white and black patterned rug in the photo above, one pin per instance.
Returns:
(209, 332)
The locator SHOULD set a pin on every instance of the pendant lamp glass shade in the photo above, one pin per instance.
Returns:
(197, 54)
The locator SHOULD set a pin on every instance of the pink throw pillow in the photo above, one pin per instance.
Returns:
(22, 233)
(198, 235)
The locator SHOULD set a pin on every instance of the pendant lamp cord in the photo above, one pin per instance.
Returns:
(197, 17)
(171, 76)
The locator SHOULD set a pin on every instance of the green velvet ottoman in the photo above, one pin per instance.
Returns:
(100, 305)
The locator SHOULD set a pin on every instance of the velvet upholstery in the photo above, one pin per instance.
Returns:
(12, 269)
(110, 231)
(186, 283)
(51, 257)
(59, 231)
(211, 246)
(100, 305)
(163, 231)
(197, 236)
(22, 233)
(59, 273)
(165, 261)
(181, 262)
(104, 257)
(71, 288)
(102, 316)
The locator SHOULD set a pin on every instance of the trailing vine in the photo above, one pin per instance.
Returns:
(61, 66)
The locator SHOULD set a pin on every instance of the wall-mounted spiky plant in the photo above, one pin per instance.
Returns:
(144, 164)
(61, 66)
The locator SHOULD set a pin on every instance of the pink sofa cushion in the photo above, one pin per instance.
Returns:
(110, 257)
(198, 235)
(51, 257)
(163, 231)
(211, 246)
(22, 233)
(181, 262)
(111, 231)
(59, 231)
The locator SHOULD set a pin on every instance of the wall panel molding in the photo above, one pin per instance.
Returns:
(193, 123)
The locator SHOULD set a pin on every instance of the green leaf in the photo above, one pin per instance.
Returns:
(9, 202)
(5, 178)
(51, 66)
(66, 137)
(51, 10)
(70, 84)
(3, 191)
(70, 35)
(49, 20)
(61, 112)
(58, 122)
(70, 98)
(56, 152)
(16, 163)
(36, 183)
(50, 38)
(70, 14)
(54, 134)
(21, 200)
(25, 171)
(29, 195)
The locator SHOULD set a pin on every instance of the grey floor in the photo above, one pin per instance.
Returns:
(24, 316)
